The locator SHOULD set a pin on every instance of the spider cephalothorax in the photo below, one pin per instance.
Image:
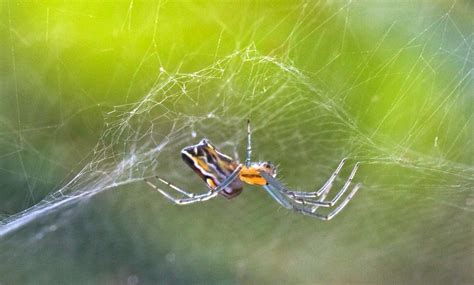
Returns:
(252, 174)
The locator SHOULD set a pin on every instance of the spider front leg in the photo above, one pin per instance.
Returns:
(286, 202)
(336, 211)
(249, 144)
(311, 210)
(191, 197)
(307, 206)
(324, 189)
(321, 202)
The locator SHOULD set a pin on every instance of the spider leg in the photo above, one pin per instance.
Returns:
(325, 188)
(173, 187)
(283, 199)
(278, 196)
(336, 198)
(331, 215)
(273, 186)
(301, 205)
(321, 198)
(249, 144)
(192, 198)
(286, 202)
(190, 195)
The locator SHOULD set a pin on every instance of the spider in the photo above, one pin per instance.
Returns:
(225, 176)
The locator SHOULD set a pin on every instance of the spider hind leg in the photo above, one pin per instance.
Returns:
(188, 197)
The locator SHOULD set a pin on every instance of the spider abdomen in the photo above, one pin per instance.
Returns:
(212, 166)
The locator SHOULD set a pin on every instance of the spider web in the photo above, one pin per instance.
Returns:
(397, 97)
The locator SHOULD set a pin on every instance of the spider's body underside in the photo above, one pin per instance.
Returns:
(225, 176)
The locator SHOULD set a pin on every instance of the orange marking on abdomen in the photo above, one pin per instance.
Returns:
(202, 164)
(211, 183)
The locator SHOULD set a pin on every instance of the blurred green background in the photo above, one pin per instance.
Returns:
(97, 93)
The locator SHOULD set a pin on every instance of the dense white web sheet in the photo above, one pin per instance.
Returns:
(297, 117)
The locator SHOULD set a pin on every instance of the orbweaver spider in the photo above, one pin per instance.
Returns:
(225, 176)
